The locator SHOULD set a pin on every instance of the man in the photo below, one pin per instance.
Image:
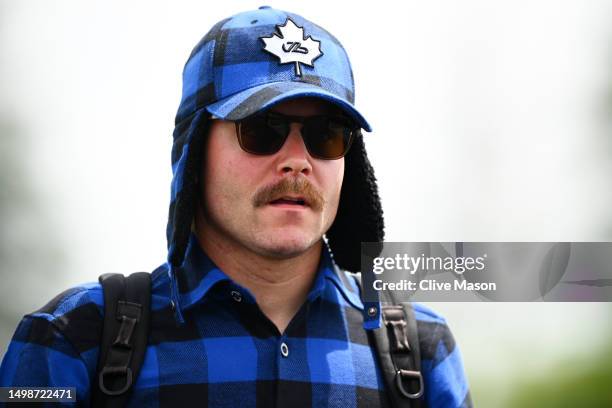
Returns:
(272, 194)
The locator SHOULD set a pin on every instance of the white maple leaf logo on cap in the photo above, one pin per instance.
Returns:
(291, 46)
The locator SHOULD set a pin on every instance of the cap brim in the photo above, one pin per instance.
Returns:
(250, 101)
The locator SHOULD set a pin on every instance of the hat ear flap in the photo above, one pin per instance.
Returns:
(182, 208)
(360, 216)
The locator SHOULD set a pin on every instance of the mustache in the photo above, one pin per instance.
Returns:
(296, 186)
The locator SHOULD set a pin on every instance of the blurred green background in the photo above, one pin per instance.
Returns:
(571, 383)
(537, 354)
(492, 122)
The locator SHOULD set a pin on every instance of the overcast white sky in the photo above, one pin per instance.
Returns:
(491, 118)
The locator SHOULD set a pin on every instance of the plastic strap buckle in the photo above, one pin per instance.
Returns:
(115, 371)
(400, 375)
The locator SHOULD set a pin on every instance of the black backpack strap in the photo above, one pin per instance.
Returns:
(127, 303)
(399, 355)
(397, 347)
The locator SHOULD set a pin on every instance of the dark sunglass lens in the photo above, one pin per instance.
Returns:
(259, 135)
(327, 138)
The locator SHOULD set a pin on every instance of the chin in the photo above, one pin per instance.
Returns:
(287, 244)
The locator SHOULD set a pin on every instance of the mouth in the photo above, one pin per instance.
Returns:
(288, 201)
(288, 193)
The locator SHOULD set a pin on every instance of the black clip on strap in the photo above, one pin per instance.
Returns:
(117, 368)
(394, 319)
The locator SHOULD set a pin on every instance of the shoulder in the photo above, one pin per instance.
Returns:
(435, 338)
(441, 360)
(76, 315)
(83, 305)
(85, 295)
(58, 341)
(426, 314)
(83, 302)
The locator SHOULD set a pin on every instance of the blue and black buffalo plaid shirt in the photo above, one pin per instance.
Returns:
(228, 353)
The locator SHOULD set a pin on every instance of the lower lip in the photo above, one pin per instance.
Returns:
(283, 206)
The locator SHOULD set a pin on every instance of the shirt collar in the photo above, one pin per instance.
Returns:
(347, 286)
(199, 274)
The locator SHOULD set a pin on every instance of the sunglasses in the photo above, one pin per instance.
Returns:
(326, 137)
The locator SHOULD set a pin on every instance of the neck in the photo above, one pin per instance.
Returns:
(280, 285)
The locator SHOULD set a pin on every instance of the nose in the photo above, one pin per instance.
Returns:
(293, 156)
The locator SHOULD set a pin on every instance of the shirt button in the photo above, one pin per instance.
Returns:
(236, 296)
(284, 350)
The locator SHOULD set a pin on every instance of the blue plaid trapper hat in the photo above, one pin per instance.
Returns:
(248, 63)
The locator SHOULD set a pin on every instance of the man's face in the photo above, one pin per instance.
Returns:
(250, 200)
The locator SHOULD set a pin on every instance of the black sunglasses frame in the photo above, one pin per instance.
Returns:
(350, 126)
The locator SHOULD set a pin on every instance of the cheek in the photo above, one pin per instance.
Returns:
(222, 182)
(228, 177)
(339, 175)
(218, 167)
(334, 175)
